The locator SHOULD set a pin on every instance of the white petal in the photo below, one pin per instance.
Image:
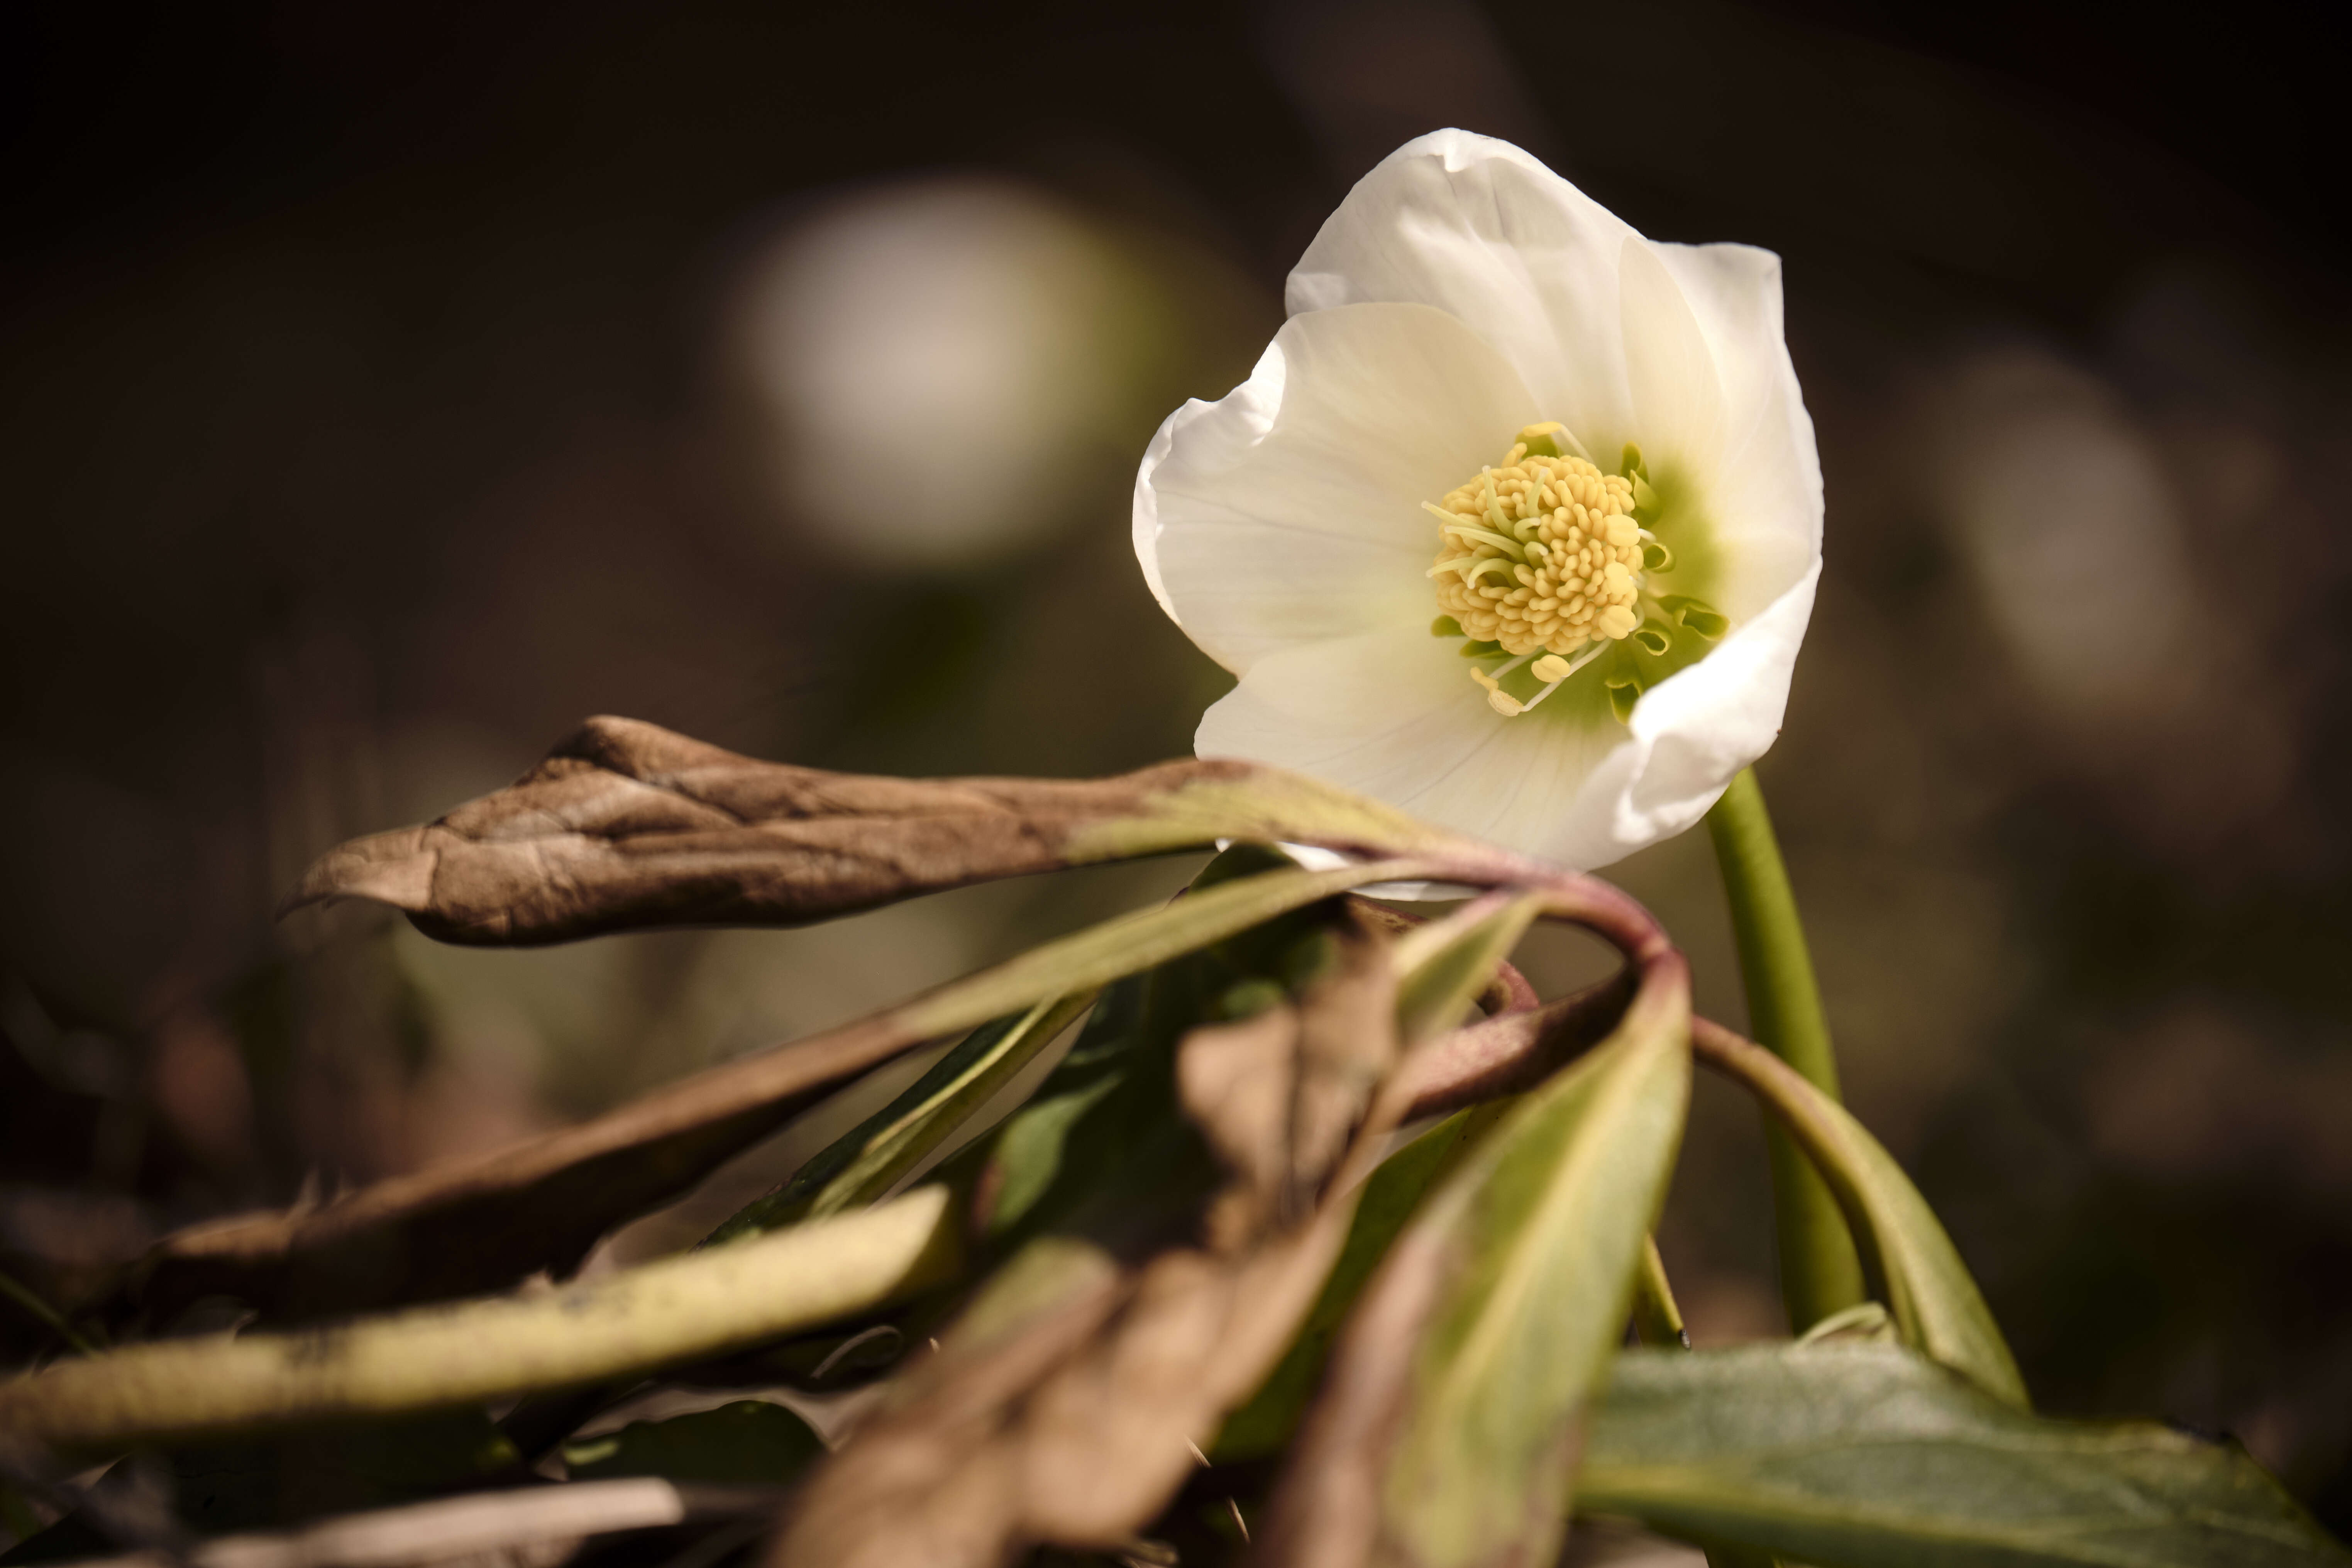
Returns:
(1290, 512)
(1482, 230)
(1766, 494)
(1679, 348)
(1388, 712)
(1607, 345)
(1669, 367)
(1146, 523)
(1395, 715)
(1734, 293)
(1315, 858)
(1690, 734)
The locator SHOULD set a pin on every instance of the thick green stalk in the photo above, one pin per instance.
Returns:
(1819, 1273)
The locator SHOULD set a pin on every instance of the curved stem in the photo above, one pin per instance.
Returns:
(1510, 992)
(1820, 1272)
(1510, 1052)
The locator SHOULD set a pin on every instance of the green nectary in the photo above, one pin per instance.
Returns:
(1573, 589)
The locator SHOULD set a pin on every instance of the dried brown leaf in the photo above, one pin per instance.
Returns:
(936, 1477)
(1328, 1512)
(1073, 1410)
(1237, 1082)
(628, 826)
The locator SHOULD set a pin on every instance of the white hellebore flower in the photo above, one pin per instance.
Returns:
(1583, 451)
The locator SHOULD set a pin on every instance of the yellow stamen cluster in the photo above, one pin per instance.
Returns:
(1541, 553)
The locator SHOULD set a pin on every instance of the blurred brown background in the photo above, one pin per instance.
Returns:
(382, 389)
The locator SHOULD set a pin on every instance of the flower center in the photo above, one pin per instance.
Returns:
(1547, 561)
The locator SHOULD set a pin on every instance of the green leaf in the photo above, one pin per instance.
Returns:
(860, 1166)
(1104, 1126)
(1039, 1145)
(1549, 1218)
(473, 1226)
(1391, 1194)
(676, 1309)
(1443, 1432)
(1447, 963)
(1103, 1134)
(1937, 1306)
(1851, 1454)
(1195, 1185)
(1445, 966)
(751, 1442)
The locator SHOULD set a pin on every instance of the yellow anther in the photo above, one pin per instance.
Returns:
(1540, 556)
(1541, 580)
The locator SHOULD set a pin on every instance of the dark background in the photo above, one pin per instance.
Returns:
(384, 388)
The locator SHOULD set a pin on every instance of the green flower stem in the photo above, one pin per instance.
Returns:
(1820, 1272)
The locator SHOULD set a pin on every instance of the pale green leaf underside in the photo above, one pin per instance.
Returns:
(1867, 1455)
(1550, 1215)
(685, 1308)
